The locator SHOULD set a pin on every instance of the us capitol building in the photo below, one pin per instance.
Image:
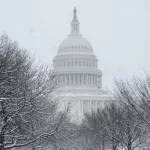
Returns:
(80, 80)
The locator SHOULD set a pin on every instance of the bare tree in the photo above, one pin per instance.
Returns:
(92, 131)
(28, 114)
(109, 118)
(117, 124)
(136, 93)
(130, 133)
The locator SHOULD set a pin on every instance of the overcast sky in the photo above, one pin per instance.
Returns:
(119, 31)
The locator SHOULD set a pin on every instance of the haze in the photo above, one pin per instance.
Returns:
(119, 31)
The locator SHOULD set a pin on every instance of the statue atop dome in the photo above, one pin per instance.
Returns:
(75, 23)
(75, 13)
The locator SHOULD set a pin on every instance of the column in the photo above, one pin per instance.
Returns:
(65, 81)
(82, 79)
(78, 79)
(69, 79)
(87, 79)
(92, 79)
(80, 106)
(96, 80)
(74, 79)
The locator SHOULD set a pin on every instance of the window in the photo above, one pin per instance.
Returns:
(86, 63)
(76, 63)
(79, 63)
(90, 64)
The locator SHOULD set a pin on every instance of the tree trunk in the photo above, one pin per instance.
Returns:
(114, 146)
(2, 130)
(103, 144)
(33, 148)
(1, 147)
(129, 145)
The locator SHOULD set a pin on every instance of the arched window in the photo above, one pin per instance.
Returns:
(68, 63)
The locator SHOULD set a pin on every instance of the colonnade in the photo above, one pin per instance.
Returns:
(87, 106)
(80, 79)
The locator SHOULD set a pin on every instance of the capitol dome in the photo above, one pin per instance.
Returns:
(77, 72)
(76, 62)
(75, 43)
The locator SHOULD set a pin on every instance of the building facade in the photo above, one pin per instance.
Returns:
(80, 80)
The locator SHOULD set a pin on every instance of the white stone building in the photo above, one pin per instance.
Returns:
(77, 69)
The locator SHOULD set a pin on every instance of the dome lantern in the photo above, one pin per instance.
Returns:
(75, 23)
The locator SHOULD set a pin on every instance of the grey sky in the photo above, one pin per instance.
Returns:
(119, 31)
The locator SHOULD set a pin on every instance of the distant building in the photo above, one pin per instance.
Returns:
(77, 70)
